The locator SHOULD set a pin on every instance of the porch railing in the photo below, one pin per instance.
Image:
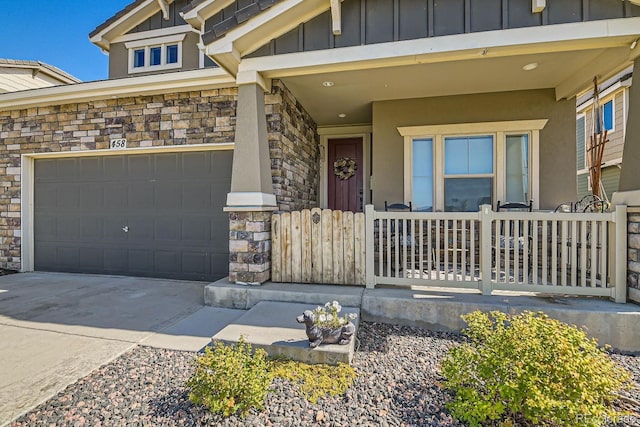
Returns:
(568, 253)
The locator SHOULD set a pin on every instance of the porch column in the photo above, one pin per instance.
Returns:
(251, 199)
(629, 176)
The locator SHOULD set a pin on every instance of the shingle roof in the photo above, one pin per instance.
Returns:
(115, 17)
(18, 63)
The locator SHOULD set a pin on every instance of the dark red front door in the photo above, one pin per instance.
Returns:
(345, 174)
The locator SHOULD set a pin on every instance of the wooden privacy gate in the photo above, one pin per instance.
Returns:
(318, 246)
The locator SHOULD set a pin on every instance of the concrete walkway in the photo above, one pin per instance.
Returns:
(57, 328)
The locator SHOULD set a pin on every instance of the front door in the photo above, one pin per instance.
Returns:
(345, 174)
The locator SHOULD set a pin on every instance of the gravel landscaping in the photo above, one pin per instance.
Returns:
(398, 384)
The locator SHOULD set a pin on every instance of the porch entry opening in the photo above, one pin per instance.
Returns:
(345, 174)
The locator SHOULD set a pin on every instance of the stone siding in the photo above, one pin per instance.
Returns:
(170, 119)
(294, 149)
(633, 242)
(249, 247)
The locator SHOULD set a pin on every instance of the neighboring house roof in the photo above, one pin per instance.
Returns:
(621, 79)
(18, 75)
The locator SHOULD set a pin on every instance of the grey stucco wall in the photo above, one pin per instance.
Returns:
(119, 58)
(629, 176)
(557, 139)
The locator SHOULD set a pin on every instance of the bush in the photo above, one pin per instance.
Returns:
(315, 381)
(230, 379)
(530, 369)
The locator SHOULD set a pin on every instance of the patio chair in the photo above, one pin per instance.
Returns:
(510, 241)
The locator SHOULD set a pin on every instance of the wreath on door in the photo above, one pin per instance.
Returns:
(344, 168)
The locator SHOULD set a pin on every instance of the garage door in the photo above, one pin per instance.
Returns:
(154, 215)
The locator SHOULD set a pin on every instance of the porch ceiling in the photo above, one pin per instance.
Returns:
(353, 91)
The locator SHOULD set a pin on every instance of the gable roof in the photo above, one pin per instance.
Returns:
(124, 20)
(39, 66)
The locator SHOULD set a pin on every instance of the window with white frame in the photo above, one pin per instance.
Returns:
(608, 115)
(160, 53)
(461, 167)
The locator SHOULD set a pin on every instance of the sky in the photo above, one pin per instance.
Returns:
(57, 32)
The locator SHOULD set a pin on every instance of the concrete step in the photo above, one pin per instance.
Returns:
(229, 295)
(273, 327)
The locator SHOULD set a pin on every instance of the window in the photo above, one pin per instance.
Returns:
(607, 115)
(468, 172)
(461, 167)
(172, 54)
(159, 53)
(138, 58)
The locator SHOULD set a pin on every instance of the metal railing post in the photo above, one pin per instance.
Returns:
(485, 216)
(370, 278)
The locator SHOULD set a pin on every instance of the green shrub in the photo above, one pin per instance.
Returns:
(315, 381)
(230, 379)
(530, 369)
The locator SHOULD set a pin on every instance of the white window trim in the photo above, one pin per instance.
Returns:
(613, 113)
(499, 130)
(147, 44)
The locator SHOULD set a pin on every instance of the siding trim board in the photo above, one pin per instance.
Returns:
(458, 17)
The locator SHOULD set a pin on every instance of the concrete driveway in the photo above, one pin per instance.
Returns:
(56, 328)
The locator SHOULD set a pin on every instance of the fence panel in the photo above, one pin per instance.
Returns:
(318, 246)
(568, 253)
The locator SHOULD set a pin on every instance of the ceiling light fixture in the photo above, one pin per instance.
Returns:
(531, 66)
(327, 84)
(342, 115)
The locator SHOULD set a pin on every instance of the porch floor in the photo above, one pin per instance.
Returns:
(439, 309)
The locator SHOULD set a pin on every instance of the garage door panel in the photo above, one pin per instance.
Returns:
(140, 166)
(140, 228)
(92, 258)
(114, 167)
(167, 228)
(195, 262)
(195, 165)
(90, 168)
(167, 166)
(113, 228)
(167, 262)
(141, 194)
(196, 228)
(170, 204)
(115, 260)
(45, 196)
(196, 196)
(91, 196)
(46, 227)
(141, 260)
(91, 228)
(68, 228)
(46, 169)
(115, 195)
(165, 195)
(68, 195)
(67, 169)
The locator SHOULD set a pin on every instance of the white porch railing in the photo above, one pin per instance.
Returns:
(567, 253)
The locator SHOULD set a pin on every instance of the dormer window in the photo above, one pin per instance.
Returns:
(161, 53)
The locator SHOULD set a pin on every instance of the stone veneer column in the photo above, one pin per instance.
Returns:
(633, 254)
(251, 199)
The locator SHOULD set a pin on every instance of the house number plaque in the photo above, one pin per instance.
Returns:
(118, 144)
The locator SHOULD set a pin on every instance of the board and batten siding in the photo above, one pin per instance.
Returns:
(379, 21)
(318, 246)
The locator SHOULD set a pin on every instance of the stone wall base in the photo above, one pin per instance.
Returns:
(249, 246)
